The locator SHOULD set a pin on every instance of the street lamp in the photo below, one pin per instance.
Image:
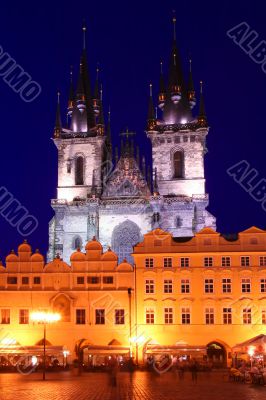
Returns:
(42, 317)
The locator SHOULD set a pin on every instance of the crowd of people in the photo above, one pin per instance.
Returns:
(251, 373)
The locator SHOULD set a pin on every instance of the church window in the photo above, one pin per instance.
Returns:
(179, 222)
(169, 141)
(178, 164)
(77, 243)
(68, 166)
(192, 139)
(79, 173)
(185, 139)
(177, 139)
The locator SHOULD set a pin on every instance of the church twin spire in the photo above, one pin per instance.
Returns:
(177, 98)
(85, 111)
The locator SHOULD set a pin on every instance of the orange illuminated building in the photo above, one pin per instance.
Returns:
(186, 297)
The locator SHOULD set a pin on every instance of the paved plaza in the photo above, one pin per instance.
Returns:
(136, 386)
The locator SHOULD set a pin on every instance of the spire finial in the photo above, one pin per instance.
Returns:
(201, 87)
(84, 34)
(174, 58)
(109, 113)
(174, 24)
(101, 92)
(190, 64)
(161, 64)
(58, 123)
(151, 89)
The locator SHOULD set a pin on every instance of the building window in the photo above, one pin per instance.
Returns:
(178, 164)
(149, 315)
(177, 139)
(108, 279)
(263, 261)
(149, 262)
(263, 285)
(168, 315)
(185, 286)
(184, 262)
(168, 286)
(226, 262)
(37, 280)
(149, 286)
(93, 280)
(167, 262)
(208, 261)
(253, 241)
(247, 316)
(209, 287)
(25, 280)
(209, 316)
(120, 316)
(79, 171)
(5, 316)
(80, 280)
(227, 315)
(263, 317)
(246, 285)
(185, 316)
(99, 316)
(227, 285)
(80, 316)
(12, 280)
(23, 316)
(245, 261)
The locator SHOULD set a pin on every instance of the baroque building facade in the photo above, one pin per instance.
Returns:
(118, 199)
(186, 298)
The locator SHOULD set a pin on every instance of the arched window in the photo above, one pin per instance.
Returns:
(178, 164)
(77, 243)
(79, 171)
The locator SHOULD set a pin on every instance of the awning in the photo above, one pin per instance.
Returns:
(176, 349)
(107, 350)
(31, 350)
(258, 344)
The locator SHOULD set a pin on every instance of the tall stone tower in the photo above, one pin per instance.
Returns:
(118, 199)
(178, 148)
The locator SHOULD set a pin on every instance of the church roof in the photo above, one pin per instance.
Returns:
(126, 180)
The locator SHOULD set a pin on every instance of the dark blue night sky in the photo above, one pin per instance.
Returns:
(129, 39)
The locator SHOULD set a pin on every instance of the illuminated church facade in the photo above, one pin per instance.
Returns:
(116, 197)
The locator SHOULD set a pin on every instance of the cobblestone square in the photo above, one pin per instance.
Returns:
(136, 386)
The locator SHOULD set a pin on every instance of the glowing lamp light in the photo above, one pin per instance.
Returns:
(34, 360)
(45, 317)
(183, 121)
(251, 351)
(66, 353)
(137, 339)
